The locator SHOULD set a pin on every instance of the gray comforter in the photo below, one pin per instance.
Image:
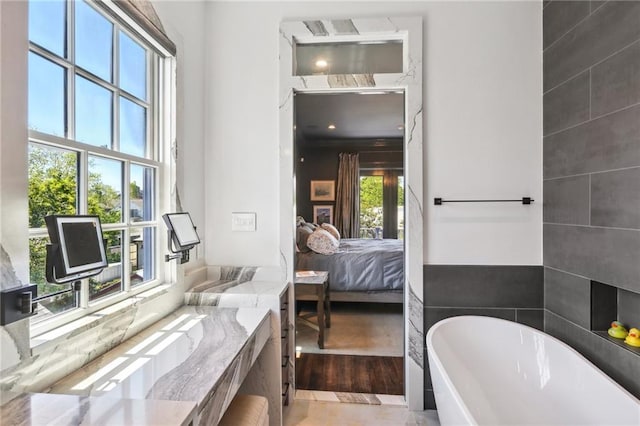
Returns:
(360, 265)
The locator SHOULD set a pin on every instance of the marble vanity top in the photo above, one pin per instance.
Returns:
(35, 409)
(233, 293)
(197, 353)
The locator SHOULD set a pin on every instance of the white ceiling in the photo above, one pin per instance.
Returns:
(364, 115)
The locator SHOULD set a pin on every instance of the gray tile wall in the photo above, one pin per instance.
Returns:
(509, 292)
(591, 173)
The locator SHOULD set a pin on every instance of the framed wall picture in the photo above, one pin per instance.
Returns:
(323, 214)
(323, 190)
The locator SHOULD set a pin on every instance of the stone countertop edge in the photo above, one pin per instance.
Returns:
(34, 409)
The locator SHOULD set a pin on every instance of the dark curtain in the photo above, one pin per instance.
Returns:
(347, 215)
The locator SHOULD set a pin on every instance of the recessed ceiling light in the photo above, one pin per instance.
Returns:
(331, 126)
(321, 63)
(400, 127)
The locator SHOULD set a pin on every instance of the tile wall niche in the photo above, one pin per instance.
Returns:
(591, 170)
(509, 292)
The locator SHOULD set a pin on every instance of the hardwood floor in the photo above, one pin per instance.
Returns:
(350, 373)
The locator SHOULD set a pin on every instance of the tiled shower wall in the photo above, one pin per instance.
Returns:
(592, 175)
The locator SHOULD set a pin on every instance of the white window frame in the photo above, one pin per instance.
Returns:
(160, 122)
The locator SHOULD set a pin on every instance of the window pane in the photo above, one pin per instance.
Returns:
(94, 41)
(105, 189)
(348, 58)
(47, 25)
(133, 67)
(93, 113)
(46, 96)
(371, 212)
(141, 254)
(53, 305)
(133, 128)
(141, 192)
(109, 281)
(53, 183)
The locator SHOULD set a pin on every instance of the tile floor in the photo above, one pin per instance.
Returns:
(322, 413)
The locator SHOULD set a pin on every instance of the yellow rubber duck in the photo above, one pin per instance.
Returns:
(633, 339)
(617, 330)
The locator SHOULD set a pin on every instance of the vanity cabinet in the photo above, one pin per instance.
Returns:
(272, 375)
(286, 348)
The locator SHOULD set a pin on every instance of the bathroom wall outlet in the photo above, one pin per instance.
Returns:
(243, 222)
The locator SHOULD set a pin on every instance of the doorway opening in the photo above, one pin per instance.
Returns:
(362, 349)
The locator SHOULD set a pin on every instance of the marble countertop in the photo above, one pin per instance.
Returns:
(35, 409)
(274, 288)
(194, 354)
(233, 293)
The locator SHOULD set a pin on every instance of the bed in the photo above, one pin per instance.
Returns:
(363, 270)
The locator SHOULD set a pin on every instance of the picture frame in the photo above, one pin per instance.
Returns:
(323, 214)
(323, 190)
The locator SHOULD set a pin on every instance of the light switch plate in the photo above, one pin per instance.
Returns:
(244, 222)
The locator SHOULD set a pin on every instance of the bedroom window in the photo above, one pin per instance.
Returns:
(371, 213)
(95, 98)
(381, 204)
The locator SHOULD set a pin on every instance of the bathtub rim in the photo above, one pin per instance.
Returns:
(432, 355)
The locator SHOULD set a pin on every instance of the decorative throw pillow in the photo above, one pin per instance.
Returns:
(332, 230)
(321, 241)
(302, 234)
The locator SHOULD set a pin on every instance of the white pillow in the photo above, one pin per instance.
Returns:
(321, 241)
(332, 230)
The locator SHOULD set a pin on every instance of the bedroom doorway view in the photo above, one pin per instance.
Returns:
(349, 168)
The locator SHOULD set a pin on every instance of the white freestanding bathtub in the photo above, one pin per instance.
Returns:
(489, 371)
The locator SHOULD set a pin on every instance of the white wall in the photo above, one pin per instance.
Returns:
(483, 121)
(13, 138)
(484, 132)
(14, 260)
(184, 23)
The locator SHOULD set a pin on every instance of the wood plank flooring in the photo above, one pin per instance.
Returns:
(350, 373)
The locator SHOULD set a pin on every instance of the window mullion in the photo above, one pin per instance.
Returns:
(70, 48)
(71, 80)
(83, 208)
(83, 183)
(126, 260)
(115, 72)
(116, 121)
(151, 114)
(126, 237)
(116, 82)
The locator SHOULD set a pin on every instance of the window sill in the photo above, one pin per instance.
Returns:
(43, 341)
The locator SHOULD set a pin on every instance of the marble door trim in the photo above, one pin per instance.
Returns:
(409, 30)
